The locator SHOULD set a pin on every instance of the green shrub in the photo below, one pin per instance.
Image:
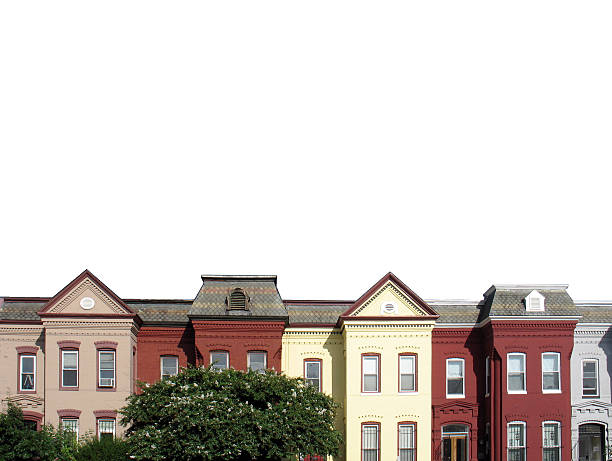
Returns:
(92, 449)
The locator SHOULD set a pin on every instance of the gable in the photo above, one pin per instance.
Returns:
(389, 298)
(86, 296)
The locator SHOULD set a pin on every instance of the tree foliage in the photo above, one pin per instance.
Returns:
(207, 415)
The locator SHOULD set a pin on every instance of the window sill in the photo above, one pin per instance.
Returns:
(106, 389)
(64, 388)
(408, 392)
(26, 392)
(371, 393)
(455, 396)
(590, 396)
(549, 391)
(517, 392)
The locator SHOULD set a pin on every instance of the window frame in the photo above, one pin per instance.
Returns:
(63, 352)
(106, 419)
(552, 391)
(415, 360)
(320, 363)
(114, 378)
(161, 365)
(20, 373)
(456, 396)
(413, 424)
(377, 357)
(265, 355)
(361, 448)
(557, 447)
(597, 388)
(524, 372)
(219, 351)
(524, 441)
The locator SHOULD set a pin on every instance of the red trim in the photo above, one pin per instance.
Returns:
(20, 322)
(371, 354)
(89, 316)
(106, 388)
(26, 354)
(69, 344)
(370, 423)
(106, 345)
(320, 361)
(61, 366)
(416, 372)
(68, 413)
(26, 350)
(414, 441)
(82, 276)
(111, 414)
(33, 416)
(390, 277)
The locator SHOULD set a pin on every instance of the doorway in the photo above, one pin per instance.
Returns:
(455, 442)
(591, 442)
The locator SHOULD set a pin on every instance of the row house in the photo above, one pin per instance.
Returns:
(521, 374)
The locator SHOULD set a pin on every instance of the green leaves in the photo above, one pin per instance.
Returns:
(202, 414)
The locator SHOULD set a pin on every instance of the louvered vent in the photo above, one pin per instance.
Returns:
(237, 299)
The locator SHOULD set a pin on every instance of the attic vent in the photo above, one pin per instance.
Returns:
(534, 302)
(237, 299)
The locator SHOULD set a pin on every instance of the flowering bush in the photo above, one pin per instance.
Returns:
(208, 415)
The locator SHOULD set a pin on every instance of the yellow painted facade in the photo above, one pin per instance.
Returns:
(387, 323)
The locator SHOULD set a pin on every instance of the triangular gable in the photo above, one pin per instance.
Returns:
(86, 295)
(389, 298)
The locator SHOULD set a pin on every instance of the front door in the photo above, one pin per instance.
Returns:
(591, 442)
(454, 448)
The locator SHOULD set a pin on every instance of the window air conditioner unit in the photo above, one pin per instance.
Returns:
(107, 382)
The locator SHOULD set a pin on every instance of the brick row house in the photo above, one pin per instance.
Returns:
(522, 374)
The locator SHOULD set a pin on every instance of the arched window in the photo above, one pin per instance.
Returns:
(237, 299)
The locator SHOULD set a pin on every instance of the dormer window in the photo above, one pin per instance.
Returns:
(534, 302)
(237, 299)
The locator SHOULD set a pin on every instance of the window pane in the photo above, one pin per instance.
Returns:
(219, 360)
(551, 435)
(27, 382)
(516, 382)
(370, 437)
(107, 360)
(407, 382)
(516, 435)
(169, 366)
(516, 363)
(455, 386)
(406, 436)
(27, 364)
(107, 373)
(370, 365)
(550, 362)
(551, 381)
(370, 383)
(70, 360)
(455, 368)
(106, 428)
(406, 365)
(589, 367)
(257, 361)
(69, 377)
(312, 370)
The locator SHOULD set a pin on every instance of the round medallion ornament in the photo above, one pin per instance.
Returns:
(87, 303)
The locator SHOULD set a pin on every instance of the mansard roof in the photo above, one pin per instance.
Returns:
(456, 311)
(315, 312)
(161, 311)
(21, 309)
(595, 311)
(263, 298)
(509, 300)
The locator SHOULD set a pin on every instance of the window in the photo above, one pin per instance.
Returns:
(590, 378)
(407, 373)
(237, 299)
(106, 368)
(71, 425)
(27, 372)
(487, 375)
(219, 360)
(551, 374)
(370, 370)
(516, 373)
(106, 428)
(257, 361)
(312, 373)
(551, 433)
(455, 378)
(516, 441)
(370, 442)
(406, 438)
(534, 302)
(70, 368)
(169, 366)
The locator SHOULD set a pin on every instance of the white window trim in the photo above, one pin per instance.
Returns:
(596, 395)
(558, 424)
(399, 377)
(161, 364)
(64, 352)
(227, 359)
(524, 445)
(487, 375)
(71, 419)
(522, 354)
(551, 391)
(265, 354)
(106, 351)
(320, 366)
(456, 396)
(105, 420)
(21, 357)
(378, 373)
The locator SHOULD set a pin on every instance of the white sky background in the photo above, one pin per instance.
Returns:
(457, 144)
